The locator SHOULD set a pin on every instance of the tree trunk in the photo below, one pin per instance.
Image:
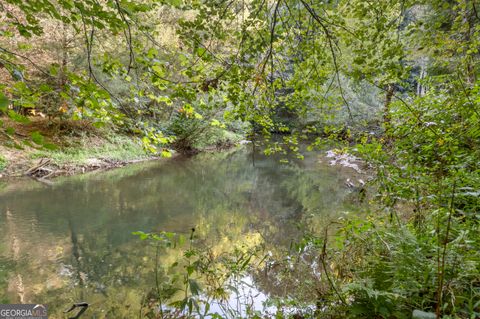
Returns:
(390, 90)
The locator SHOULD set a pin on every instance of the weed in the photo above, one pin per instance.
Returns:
(3, 163)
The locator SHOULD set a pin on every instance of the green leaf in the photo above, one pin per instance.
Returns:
(166, 153)
(18, 117)
(140, 234)
(50, 146)
(174, 3)
(4, 102)
(194, 287)
(37, 138)
(158, 70)
(152, 52)
(201, 52)
(98, 124)
(54, 70)
(10, 130)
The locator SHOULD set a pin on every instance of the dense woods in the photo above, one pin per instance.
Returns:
(394, 83)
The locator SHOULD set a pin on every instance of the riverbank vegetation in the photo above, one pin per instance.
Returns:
(394, 82)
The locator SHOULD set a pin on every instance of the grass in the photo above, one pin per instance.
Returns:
(112, 147)
(3, 163)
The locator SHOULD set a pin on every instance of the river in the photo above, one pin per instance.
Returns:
(72, 241)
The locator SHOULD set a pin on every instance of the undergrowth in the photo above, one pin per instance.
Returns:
(112, 147)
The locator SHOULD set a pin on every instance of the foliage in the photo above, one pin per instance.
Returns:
(290, 68)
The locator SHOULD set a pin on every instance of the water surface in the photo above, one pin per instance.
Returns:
(72, 241)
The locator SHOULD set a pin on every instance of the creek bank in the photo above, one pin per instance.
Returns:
(46, 165)
(43, 150)
(44, 169)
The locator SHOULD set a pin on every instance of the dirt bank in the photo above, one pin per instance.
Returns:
(45, 149)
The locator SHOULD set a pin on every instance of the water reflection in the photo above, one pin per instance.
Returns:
(72, 241)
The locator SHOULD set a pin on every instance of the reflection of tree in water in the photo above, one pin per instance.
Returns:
(90, 220)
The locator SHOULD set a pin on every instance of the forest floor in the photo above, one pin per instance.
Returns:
(45, 149)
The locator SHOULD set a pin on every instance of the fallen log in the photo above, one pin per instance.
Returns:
(31, 171)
